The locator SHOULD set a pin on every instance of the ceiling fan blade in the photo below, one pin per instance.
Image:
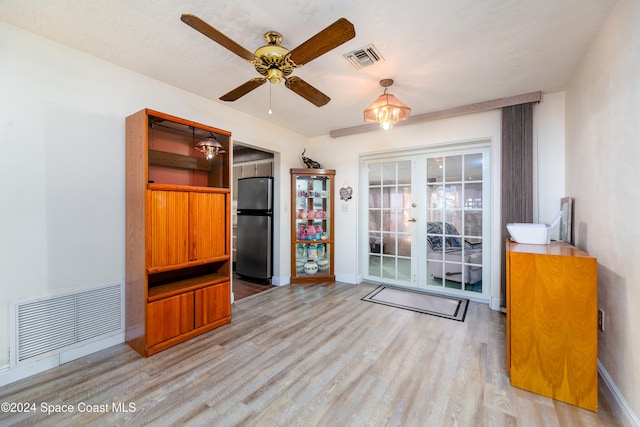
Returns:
(329, 38)
(215, 35)
(307, 91)
(243, 89)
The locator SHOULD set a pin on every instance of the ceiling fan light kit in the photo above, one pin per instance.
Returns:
(275, 62)
(387, 110)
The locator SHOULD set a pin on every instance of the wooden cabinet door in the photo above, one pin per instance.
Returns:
(207, 225)
(169, 317)
(213, 303)
(168, 224)
(552, 323)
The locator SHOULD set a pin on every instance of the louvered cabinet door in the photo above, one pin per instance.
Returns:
(168, 232)
(207, 225)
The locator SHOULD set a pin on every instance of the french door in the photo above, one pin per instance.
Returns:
(428, 221)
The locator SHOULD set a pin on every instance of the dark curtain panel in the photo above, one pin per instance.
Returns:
(517, 172)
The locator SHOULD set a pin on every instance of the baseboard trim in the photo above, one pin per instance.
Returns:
(19, 372)
(353, 279)
(617, 402)
(280, 280)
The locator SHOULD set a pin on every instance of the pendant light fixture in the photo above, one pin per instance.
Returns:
(387, 110)
(210, 147)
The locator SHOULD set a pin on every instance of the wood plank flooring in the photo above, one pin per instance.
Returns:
(307, 355)
(243, 287)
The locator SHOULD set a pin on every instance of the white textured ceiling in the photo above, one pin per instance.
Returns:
(441, 53)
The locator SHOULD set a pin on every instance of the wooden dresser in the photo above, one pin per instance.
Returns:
(552, 325)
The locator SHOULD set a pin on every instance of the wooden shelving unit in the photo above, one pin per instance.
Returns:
(178, 222)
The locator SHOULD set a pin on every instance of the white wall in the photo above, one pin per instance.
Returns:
(549, 158)
(343, 155)
(602, 155)
(62, 119)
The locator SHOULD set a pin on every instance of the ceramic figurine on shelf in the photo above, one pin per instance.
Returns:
(323, 264)
(301, 251)
(310, 267)
(311, 164)
(312, 251)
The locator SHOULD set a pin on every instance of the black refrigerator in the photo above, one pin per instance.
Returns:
(254, 228)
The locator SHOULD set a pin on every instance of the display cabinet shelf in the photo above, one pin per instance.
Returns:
(172, 288)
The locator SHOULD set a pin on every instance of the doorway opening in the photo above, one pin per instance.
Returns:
(248, 162)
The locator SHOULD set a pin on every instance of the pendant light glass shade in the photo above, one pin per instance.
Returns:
(387, 110)
(210, 147)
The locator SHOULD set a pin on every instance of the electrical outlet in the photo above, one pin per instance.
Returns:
(601, 320)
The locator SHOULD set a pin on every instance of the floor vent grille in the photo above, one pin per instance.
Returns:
(48, 325)
(364, 57)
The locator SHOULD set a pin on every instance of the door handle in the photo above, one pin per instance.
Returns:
(412, 220)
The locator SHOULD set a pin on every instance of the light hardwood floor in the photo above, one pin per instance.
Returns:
(309, 355)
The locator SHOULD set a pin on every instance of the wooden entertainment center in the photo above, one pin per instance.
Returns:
(178, 225)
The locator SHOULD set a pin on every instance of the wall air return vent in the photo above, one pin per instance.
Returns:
(53, 324)
(364, 57)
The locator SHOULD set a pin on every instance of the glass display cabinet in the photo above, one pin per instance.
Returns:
(312, 193)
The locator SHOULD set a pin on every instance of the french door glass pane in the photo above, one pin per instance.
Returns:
(389, 227)
(388, 267)
(434, 169)
(375, 198)
(375, 265)
(404, 269)
(454, 221)
(473, 167)
(453, 168)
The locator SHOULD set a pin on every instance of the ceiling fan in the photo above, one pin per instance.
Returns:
(275, 62)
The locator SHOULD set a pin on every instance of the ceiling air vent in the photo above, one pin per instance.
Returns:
(364, 57)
